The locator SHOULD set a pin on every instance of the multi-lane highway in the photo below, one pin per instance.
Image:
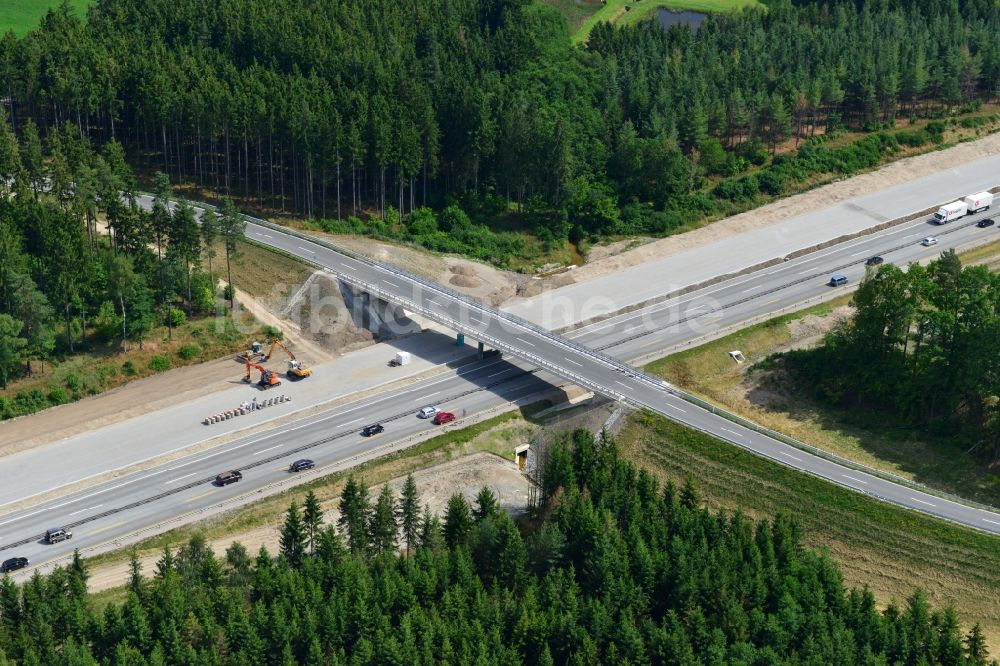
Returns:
(183, 486)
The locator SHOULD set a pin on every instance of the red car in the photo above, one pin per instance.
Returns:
(443, 417)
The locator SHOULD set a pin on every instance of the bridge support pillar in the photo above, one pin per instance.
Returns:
(460, 339)
(479, 353)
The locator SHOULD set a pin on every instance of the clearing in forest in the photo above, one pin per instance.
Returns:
(23, 15)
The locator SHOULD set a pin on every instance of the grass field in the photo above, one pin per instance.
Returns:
(891, 550)
(628, 12)
(23, 15)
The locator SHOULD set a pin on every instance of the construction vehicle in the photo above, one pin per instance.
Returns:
(268, 378)
(254, 354)
(295, 368)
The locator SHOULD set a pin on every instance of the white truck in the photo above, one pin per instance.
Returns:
(950, 212)
(979, 201)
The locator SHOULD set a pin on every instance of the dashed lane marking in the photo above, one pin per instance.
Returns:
(922, 501)
(179, 478)
(106, 528)
(789, 455)
(854, 479)
(89, 508)
(198, 497)
(277, 446)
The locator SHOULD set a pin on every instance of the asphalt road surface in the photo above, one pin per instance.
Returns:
(184, 486)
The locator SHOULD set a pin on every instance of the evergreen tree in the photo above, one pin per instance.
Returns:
(457, 521)
(354, 510)
(382, 526)
(313, 519)
(293, 537)
(487, 505)
(409, 513)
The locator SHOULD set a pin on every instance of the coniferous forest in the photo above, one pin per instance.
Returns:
(919, 350)
(614, 569)
(372, 109)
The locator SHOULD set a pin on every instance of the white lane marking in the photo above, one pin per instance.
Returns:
(261, 233)
(858, 254)
(922, 502)
(304, 249)
(569, 360)
(854, 479)
(350, 268)
(390, 283)
(500, 373)
(530, 344)
(257, 453)
(789, 455)
(89, 508)
(683, 411)
(732, 432)
(758, 286)
(426, 395)
(348, 423)
(179, 478)
(627, 387)
(811, 270)
(991, 522)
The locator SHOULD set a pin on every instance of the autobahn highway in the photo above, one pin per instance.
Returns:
(183, 486)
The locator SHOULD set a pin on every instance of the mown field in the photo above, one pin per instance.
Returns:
(583, 15)
(891, 550)
(23, 15)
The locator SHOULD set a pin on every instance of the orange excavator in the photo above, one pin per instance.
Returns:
(295, 369)
(268, 378)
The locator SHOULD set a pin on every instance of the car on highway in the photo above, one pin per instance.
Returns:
(232, 476)
(927, 242)
(57, 534)
(443, 417)
(13, 564)
(982, 224)
(837, 280)
(874, 261)
(301, 465)
(373, 429)
(427, 412)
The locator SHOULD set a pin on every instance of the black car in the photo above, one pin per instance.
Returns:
(226, 478)
(372, 429)
(982, 224)
(13, 564)
(874, 261)
(301, 465)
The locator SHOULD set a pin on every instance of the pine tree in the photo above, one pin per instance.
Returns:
(231, 227)
(431, 532)
(975, 646)
(409, 513)
(312, 516)
(487, 505)
(354, 510)
(382, 526)
(457, 521)
(293, 536)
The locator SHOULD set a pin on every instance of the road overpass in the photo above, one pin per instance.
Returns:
(180, 488)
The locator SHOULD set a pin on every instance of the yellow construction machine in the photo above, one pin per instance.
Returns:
(295, 368)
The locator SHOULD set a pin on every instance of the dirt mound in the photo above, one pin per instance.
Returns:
(463, 269)
(810, 330)
(465, 281)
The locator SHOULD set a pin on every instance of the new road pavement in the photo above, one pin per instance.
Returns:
(183, 487)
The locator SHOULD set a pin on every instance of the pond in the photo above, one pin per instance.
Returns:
(667, 18)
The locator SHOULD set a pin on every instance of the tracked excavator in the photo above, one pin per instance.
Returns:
(268, 378)
(295, 368)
